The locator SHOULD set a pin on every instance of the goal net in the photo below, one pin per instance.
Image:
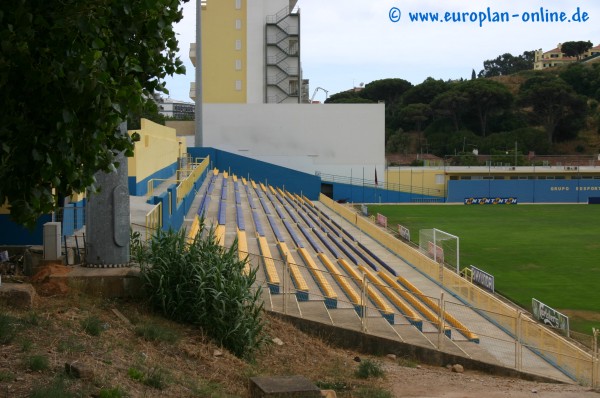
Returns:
(441, 246)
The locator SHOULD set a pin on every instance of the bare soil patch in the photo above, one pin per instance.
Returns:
(194, 366)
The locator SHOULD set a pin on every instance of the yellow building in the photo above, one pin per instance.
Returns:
(556, 57)
(250, 52)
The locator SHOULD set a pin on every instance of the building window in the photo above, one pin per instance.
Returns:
(439, 179)
(238, 24)
(238, 64)
(238, 4)
(238, 44)
(238, 85)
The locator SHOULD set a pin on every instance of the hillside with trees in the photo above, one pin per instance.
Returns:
(553, 111)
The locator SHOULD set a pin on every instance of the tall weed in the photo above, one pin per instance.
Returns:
(203, 284)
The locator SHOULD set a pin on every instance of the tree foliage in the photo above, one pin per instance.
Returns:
(585, 79)
(70, 73)
(486, 97)
(554, 103)
(416, 114)
(425, 92)
(451, 104)
(388, 90)
(507, 64)
(344, 97)
(575, 48)
(445, 112)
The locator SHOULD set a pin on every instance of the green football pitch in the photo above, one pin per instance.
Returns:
(547, 252)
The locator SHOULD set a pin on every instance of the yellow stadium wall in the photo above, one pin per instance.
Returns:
(155, 155)
(418, 179)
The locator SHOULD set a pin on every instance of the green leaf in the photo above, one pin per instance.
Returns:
(67, 116)
(97, 43)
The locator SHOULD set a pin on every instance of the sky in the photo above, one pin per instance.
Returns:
(348, 42)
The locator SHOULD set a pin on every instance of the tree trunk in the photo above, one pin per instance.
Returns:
(550, 127)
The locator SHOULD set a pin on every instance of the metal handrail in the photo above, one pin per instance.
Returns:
(390, 186)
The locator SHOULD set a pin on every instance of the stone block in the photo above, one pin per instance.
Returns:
(283, 386)
(17, 295)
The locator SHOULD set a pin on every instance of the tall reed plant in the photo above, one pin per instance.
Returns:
(203, 284)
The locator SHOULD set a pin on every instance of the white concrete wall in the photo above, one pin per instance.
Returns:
(339, 139)
(255, 56)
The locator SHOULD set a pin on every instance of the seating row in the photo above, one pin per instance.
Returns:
(286, 211)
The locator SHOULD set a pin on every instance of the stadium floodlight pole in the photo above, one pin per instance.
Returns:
(198, 87)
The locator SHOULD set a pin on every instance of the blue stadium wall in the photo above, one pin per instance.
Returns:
(12, 234)
(141, 188)
(361, 194)
(294, 181)
(526, 191)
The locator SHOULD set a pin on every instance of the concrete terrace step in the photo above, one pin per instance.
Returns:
(315, 311)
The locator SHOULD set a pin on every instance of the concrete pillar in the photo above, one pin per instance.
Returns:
(108, 223)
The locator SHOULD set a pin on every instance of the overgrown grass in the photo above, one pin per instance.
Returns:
(92, 325)
(37, 363)
(372, 392)
(153, 332)
(407, 362)
(337, 385)
(369, 368)
(115, 392)
(203, 284)
(33, 319)
(26, 344)
(57, 389)
(8, 328)
(157, 378)
(135, 374)
(547, 252)
(209, 389)
(6, 376)
(69, 345)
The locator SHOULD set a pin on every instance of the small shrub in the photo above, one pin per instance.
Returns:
(153, 332)
(37, 363)
(92, 325)
(115, 392)
(8, 328)
(135, 374)
(369, 368)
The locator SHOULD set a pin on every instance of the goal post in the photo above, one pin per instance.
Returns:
(441, 246)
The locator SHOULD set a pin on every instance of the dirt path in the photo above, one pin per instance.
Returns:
(428, 382)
